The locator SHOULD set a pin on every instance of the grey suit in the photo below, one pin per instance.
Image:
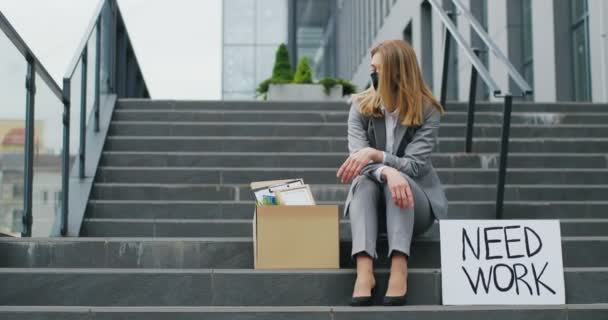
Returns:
(411, 156)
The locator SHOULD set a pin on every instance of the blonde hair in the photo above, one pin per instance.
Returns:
(400, 80)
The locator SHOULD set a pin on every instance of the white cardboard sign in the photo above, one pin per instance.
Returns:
(501, 262)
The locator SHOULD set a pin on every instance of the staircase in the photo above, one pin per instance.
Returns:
(167, 233)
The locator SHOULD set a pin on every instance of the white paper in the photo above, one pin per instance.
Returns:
(520, 262)
(270, 191)
(296, 197)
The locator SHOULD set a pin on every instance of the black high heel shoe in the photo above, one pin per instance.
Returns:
(395, 301)
(363, 301)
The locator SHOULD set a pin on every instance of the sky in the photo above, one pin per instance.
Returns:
(177, 42)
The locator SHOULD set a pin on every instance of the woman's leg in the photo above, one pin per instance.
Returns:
(401, 226)
(363, 215)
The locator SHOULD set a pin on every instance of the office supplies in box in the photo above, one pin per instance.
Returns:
(294, 236)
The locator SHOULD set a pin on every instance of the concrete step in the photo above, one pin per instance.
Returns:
(234, 287)
(570, 227)
(563, 312)
(311, 129)
(331, 192)
(339, 144)
(231, 253)
(334, 160)
(136, 104)
(244, 175)
(518, 106)
(182, 228)
(340, 117)
(132, 227)
(197, 209)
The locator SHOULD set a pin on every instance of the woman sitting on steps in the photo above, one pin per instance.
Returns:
(392, 129)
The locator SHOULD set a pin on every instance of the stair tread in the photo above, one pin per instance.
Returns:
(214, 168)
(342, 124)
(235, 239)
(257, 138)
(594, 306)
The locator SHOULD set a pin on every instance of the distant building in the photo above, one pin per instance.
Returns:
(46, 197)
(559, 46)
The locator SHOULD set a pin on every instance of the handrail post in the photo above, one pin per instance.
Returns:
(504, 149)
(83, 113)
(446, 64)
(65, 160)
(28, 177)
(97, 72)
(471, 112)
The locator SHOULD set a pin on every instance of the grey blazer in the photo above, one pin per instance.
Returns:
(411, 152)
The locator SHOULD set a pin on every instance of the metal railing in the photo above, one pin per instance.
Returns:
(479, 70)
(115, 70)
(106, 50)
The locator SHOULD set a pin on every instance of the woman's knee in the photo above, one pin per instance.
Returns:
(367, 186)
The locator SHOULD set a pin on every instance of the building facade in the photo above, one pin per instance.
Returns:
(253, 30)
(559, 46)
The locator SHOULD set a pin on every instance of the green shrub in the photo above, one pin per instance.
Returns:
(303, 72)
(347, 87)
(262, 88)
(281, 72)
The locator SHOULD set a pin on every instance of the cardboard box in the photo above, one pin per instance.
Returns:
(301, 237)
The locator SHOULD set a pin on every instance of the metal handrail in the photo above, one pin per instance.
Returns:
(125, 79)
(481, 69)
(485, 37)
(28, 54)
(84, 40)
(478, 69)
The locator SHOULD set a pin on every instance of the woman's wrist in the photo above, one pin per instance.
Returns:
(377, 155)
(386, 172)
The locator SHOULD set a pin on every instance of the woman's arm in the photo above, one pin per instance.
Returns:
(361, 157)
(417, 153)
(357, 135)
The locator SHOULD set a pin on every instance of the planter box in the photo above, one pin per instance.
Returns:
(303, 92)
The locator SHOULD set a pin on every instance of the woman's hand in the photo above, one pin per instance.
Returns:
(399, 187)
(356, 161)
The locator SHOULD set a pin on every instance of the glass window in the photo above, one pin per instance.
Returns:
(239, 21)
(381, 12)
(239, 68)
(479, 9)
(238, 96)
(315, 35)
(452, 90)
(374, 18)
(426, 34)
(271, 21)
(527, 43)
(265, 56)
(253, 30)
(580, 47)
(579, 9)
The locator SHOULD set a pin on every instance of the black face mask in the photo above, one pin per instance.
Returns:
(374, 76)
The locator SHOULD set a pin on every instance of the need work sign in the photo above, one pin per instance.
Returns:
(501, 262)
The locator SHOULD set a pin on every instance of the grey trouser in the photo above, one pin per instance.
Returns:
(369, 198)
